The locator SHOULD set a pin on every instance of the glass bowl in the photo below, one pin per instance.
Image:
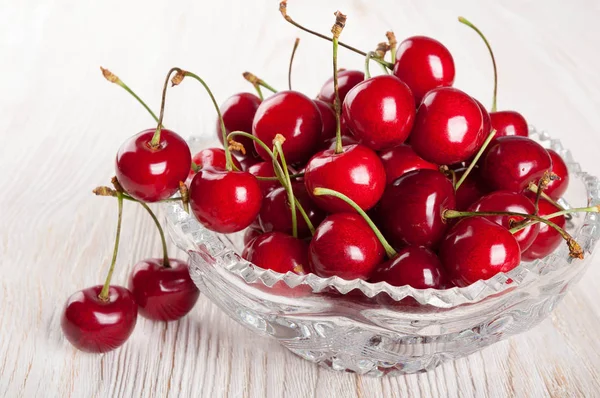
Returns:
(375, 328)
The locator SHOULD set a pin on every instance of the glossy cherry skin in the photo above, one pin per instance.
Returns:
(212, 157)
(511, 163)
(161, 293)
(150, 174)
(275, 214)
(344, 245)
(448, 127)
(279, 252)
(97, 326)
(470, 191)
(357, 172)
(486, 126)
(249, 161)
(509, 123)
(327, 118)
(401, 159)
(476, 248)
(423, 64)
(264, 169)
(225, 201)
(380, 112)
(251, 233)
(410, 211)
(557, 188)
(511, 202)
(415, 266)
(296, 118)
(347, 79)
(330, 143)
(547, 239)
(238, 113)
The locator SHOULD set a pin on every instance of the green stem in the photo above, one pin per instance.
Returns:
(336, 102)
(309, 223)
(154, 143)
(161, 232)
(367, 62)
(259, 91)
(292, 62)
(533, 188)
(389, 250)
(487, 44)
(253, 138)
(116, 80)
(278, 150)
(103, 296)
(591, 209)
(297, 175)
(475, 159)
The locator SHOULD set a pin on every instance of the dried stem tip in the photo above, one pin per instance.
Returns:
(178, 78)
(283, 9)
(340, 22)
(381, 49)
(279, 138)
(108, 75)
(575, 249)
(104, 191)
(251, 78)
(117, 184)
(391, 39)
(236, 146)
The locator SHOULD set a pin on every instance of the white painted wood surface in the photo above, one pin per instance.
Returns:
(61, 124)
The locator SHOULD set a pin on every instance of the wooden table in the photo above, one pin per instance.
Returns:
(61, 125)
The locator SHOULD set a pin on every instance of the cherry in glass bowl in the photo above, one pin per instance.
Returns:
(375, 328)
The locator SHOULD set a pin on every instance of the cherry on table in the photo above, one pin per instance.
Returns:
(476, 248)
(346, 80)
(150, 173)
(401, 159)
(557, 188)
(163, 293)
(238, 113)
(94, 325)
(547, 239)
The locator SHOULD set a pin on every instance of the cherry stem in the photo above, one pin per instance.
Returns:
(161, 232)
(475, 159)
(292, 62)
(283, 11)
(389, 250)
(177, 79)
(575, 249)
(470, 25)
(111, 77)
(336, 30)
(185, 196)
(103, 296)
(533, 188)
(564, 212)
(154, 143)
(368, 58)
(257, 82)
(106, 191)
(287, 182)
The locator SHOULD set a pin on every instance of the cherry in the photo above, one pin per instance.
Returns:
(278, 252)
(163, 293)
(212, 157)
(264, 169)
(557, 188)
(347, 79)
(330, 143)
(511, 163)
(415, 266)
(410, 211)
(380, 112)
(506, 201)
(152, 173)
(327, 118)
(448, 127)
(238, 113)
(344, 245)
(423, 64)
(476, 248)
(225, 201)
(486, 125)
(95, 325)
(251, 233)
(295, 117)
(249, 161)
(275, 213)
(509, 123)
(471, 190)
(356, 172)
(547, 238)
(401, 159)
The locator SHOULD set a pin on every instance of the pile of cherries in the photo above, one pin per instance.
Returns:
(398, 178)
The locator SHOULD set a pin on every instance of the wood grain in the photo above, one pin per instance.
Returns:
(61, 124)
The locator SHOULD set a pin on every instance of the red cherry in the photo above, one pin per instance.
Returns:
(295, 117)
(414, 266)
(212, 157)
(448, 127)
(264, 169)
(275, 214)
(510, 202)
(249, 161)
(470, 191)
(357, 172)
(410, 211)
(327, 118)
(251, 233)
(344, 245)
(511, 163)
(547, 238)
(423, 64)
(329, 144)
(238, 112)
(278, 252)
(346, 80)
(557, 188)
(150, 174)
(400, 160)
(486, 126)
(225, 201)
(161, 293)
(509, 123)
(380, 112)
(94, 325)
(476, 248)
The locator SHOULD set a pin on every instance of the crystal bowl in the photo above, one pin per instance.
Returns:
(375, 328)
